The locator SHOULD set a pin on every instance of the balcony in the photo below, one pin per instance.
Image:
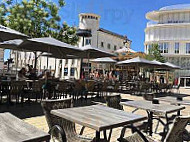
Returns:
(152, 23)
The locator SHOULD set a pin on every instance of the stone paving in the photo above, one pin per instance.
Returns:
(40, 121)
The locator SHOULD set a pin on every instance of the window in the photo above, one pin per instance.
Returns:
(188, 48)
(109, 46)
(65, 71)
(115, 47)
(88, 41)
(177, 47)
(72, 71)
(102, 44)
(163, 47)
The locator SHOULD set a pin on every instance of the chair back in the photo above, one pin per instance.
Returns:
(175, 134)
(48, 105)
(113, 101)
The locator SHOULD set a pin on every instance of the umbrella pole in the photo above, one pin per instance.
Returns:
(16, 62)
(81, 67)
(55, 67)
(47, 62)
(88, 65)
(35, 60)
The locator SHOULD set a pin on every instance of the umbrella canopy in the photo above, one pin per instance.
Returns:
(11, 44)
(10, 34)
(93, 52)
(136, 61)
(125, 49)
(104, 60)
(59, 57)
(170, 65)
(166, 65)
(50, 45)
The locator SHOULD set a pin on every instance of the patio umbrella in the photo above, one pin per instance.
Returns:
(91, 52)
(172, 66)
(166, 65)
(50, 55)
(125, 49)
(11, 44)
(50, 45)
(10, 34)
(104, 60)
(138, 62)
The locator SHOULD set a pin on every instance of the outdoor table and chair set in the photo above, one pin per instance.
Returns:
(61, 117)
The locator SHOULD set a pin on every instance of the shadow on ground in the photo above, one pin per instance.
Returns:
(34, 109)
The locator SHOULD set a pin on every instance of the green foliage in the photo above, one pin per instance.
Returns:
(154, 54)
(37, 18)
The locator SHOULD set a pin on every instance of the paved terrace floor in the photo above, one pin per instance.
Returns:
(33, 115)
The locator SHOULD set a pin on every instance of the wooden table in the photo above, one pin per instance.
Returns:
(153, 108)
(173, 100)
(13, 129)
(98, 117)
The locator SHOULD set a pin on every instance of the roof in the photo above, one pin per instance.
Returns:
(114, 34)
(154, 15)
(176, 7)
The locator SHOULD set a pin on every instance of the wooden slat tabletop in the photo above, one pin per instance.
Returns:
(13, 129)
(173, 100)
(98, 117)
(147, 105)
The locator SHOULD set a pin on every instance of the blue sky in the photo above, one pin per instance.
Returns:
(126, 17)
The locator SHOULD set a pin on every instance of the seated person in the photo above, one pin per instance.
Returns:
(21, 75)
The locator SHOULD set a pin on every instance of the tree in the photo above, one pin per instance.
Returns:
(154, 53)
(37, 18)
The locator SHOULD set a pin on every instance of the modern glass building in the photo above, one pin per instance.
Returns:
(170, 28)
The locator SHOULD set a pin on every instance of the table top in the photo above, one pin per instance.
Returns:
(98, 117)
(13, 129)
(173, 100)
(148, 106)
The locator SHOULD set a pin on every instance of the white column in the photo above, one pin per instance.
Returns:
(63, 66)
(57, 69)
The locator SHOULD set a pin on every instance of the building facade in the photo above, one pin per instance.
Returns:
(170, 28)
(70, 68)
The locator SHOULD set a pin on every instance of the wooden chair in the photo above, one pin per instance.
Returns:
(175, 134)
(60, 128)
(37, 89)
(5, 91)
(77, 90)
(90, 88)
(113, 101)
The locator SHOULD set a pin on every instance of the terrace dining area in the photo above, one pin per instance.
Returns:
(78, 110)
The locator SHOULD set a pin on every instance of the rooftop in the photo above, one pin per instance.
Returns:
(176, 7)
(154, 15)
(113, 33)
